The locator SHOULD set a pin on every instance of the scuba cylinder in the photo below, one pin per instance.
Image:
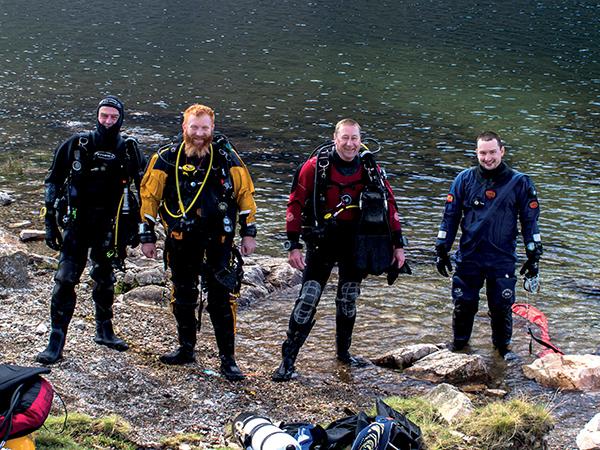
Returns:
(258, 433)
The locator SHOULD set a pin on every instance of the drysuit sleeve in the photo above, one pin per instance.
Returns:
(394, 217)
(453, 211)
(151, 190)
(243, 190)
(302, 190)
(137, 161)
(529, 211)
(59, 171)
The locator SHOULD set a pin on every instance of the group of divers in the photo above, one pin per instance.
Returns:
(102, 195)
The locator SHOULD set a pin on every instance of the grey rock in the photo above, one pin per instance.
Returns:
(450, 402)
(41, 329)
(13, 261)
(32, 235)
(153, 275)
(6, 198)
(404, 357)
(284, 275)
(148, 295)
(254, 275)
(251, 294)
(445, 366)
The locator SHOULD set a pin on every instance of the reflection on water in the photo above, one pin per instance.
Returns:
(423, 77)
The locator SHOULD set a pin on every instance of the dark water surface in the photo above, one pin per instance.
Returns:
(423, 77)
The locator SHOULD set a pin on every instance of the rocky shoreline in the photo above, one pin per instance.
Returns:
(160, 401)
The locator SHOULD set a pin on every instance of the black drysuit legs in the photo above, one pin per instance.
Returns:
(500, 290)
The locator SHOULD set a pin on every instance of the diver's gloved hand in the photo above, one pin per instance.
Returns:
(53, 235)
(442, 261)
(531, 268)
(394, 271)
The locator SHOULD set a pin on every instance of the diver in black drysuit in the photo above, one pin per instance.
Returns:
(84, 188)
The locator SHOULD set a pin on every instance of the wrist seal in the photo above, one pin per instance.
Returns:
(292, 245)
(146, 233)
(249, 231)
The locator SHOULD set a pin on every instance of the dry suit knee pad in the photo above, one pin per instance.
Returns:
(306, 305)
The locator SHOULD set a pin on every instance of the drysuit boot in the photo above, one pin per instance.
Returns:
(105, 336)
(224, 325)
(186, 330)
(62, 307)
(53, 351)
(296, 336)
(230, 369)
(343, 340)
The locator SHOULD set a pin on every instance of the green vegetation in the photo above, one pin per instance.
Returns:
(13, 166)
(83, 432)
(516, 423)
(512, 424)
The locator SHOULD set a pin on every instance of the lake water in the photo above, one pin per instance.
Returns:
(422, 77)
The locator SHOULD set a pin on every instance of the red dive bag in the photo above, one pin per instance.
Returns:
(25, 400)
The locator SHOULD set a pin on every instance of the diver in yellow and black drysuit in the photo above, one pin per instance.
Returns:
(88, 194)
(199, 186)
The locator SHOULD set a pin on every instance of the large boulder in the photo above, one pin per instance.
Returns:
(404, 357)
(450, 402)
(158, 296)
(569, 372)
(13, 261)
(589, 437)
(445, 366)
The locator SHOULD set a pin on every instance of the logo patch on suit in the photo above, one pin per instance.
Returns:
(289, 217)
(490, 194)
(457, 292)
(507, 293)
(533, 204)
(449, 198)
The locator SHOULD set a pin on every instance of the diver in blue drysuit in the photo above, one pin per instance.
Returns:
(487, 201)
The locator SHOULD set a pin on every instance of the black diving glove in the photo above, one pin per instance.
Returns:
(442, 261)
(394, 271)
(531, 267)
(53, 235)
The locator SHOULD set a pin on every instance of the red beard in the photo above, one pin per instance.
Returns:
(198, 148)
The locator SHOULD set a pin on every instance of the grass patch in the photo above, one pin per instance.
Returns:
(515, 423)
(82, 432)
(13, 166)
(437, 435)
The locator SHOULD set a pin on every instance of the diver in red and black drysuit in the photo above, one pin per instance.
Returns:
(88, 193)
(199, 186)
(335, 198)
(488, 201)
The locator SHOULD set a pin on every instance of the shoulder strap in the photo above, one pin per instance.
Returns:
(322, 170)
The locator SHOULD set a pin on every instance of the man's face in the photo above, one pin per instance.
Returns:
(108, 116)
(198, 130)
(489, 154)
(347, 142)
